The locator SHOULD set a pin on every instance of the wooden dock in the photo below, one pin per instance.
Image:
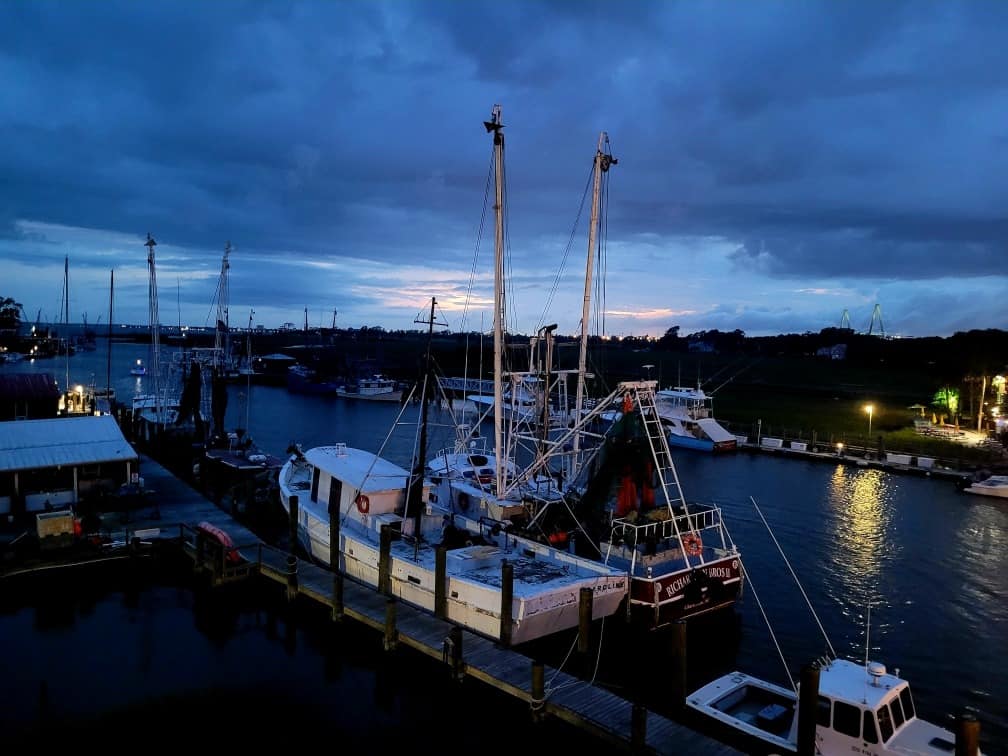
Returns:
(176, 509)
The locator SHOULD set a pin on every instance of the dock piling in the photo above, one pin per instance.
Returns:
(538, 691)
(292, 577)
(507, 597)
(967, 735)
(391, 634)
(451, 653)
(334, 555)
(808, 702)
(584, 619)
(638, 727)
(440, 581)
(293, 523)
(384, 561)
(679, 658)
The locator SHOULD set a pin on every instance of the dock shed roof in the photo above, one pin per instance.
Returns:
(51, 442)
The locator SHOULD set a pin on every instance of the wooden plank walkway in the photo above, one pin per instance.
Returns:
(568, 698)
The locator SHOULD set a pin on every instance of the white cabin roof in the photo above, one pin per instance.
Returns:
(851, 682)
(352, 465)
(52, 442)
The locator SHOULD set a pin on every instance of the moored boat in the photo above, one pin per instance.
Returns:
(369, 493)
(862, 708)
(992, 485)
(689, 421)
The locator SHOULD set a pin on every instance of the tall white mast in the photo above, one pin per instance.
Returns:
(155, 328)
(495, 126)
(602, 162)
(222, 344)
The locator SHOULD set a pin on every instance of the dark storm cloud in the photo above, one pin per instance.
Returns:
(851, 140)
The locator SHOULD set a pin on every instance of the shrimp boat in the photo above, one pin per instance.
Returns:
(493, 582)
(368, 493)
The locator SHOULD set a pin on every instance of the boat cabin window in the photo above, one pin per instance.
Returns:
(468, 474)
(823, 712)
(847, 719)
(868, 733)
(907, 700)
(885, 723)
(314, 483)
(897, 713)
(478, 460)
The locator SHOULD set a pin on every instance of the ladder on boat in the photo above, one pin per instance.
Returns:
(643, 397)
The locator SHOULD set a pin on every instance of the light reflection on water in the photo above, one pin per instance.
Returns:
(862, 545)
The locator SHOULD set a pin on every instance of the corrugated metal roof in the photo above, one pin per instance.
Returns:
(31, 444)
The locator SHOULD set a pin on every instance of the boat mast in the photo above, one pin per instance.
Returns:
(152, 309)
(108, 365)
(495, 126)
(602, 162)
(221, 343)
(66, 327)
(414, 494)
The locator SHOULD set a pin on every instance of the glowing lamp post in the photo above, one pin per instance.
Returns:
(869, 408)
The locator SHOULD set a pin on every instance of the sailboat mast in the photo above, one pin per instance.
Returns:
(248, 376)
(66, 321)
(602, 162)
(414, 501)
(108, 365)
(222, 342)
(494, 125)
(152, 308)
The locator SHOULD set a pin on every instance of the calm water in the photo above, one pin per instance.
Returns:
(928, 561)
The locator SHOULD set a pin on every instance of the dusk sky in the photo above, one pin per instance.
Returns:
(780, 163)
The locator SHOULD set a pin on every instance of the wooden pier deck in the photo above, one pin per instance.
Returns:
(175, 508)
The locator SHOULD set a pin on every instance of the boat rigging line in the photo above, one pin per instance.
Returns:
(829, 645)
(773, 636)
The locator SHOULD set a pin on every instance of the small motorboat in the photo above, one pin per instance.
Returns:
(138, 369)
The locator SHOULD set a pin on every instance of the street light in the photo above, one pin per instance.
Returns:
(869, 408)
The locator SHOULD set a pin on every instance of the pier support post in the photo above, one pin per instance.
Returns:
(334, 562)
(391, 634)
(292, 577)
(638, 727)
(200, 550)
(808, 702)
(585, 599)
(293, 523)
(507, 598)
(967, 735)
(384, 561)
(452, 653)
(440, 581)
(538, 691)
(679, 691)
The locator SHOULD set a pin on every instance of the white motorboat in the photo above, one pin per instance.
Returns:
(859, 707)
(862, 708)
(370, 493)
(993, 485)
(689, 420)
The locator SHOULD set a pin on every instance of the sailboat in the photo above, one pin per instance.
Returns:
(172, 413)
(507, 588)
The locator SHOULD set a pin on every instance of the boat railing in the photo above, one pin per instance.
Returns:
(640, 530)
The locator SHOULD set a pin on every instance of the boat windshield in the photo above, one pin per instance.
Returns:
(885, 723)
(907, 701)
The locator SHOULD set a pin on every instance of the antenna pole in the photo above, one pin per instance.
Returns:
(108, 365)
(777, 544)
(867, 648)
